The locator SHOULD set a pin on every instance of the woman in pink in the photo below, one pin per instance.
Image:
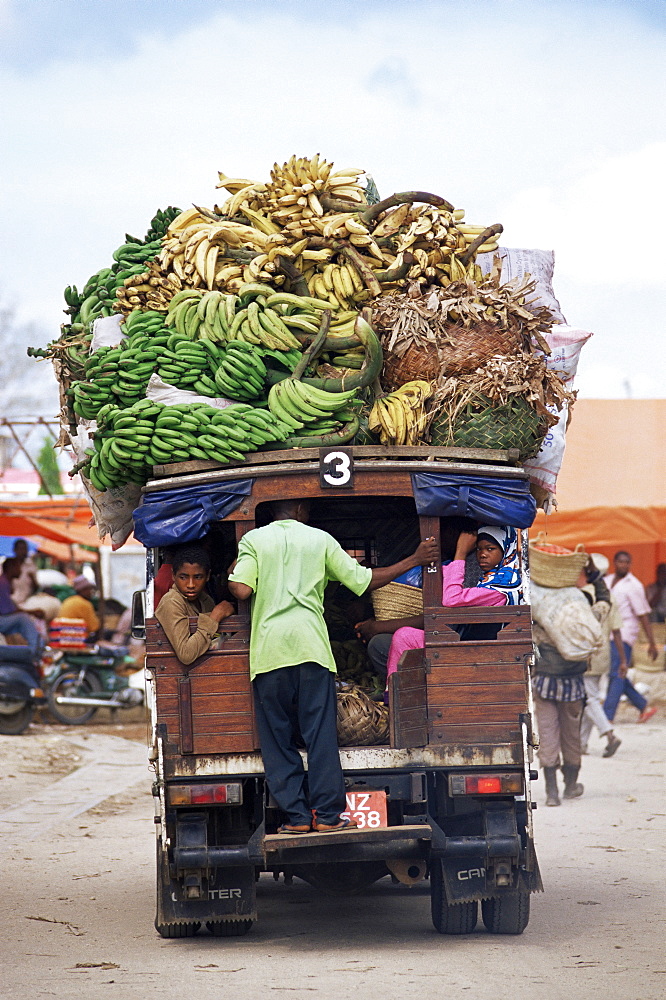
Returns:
(497, 554)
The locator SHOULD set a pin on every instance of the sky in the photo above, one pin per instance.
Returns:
(545, 116)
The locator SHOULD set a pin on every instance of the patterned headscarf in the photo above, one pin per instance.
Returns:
(505, 578)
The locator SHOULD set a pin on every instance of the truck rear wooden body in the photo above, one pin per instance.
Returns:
(455, 776)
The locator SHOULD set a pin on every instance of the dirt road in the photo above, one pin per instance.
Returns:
(78, 895)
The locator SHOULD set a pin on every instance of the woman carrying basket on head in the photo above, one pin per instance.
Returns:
(500, 584)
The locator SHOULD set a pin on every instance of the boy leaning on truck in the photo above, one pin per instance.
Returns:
(187, 599)
(284, 567)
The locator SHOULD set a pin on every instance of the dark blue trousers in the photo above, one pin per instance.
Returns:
(300, 700)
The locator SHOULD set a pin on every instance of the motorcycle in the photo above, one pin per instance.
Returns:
(20, 689)
(82, 681)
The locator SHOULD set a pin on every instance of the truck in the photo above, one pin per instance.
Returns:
(447, 798)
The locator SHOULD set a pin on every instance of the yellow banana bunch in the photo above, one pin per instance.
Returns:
(400, 417)
(152, 290)
(292, 199)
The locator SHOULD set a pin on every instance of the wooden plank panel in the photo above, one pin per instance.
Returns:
(185, 714)
(489, 735)
(475, 694)
(220, 704)
(478, 673)
(478, 715)
(239, 722)
(210, 684)
(468, 653)
(208, 745)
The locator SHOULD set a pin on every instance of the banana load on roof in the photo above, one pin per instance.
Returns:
(302, 311)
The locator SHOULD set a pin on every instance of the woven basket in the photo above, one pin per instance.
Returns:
(553, 565)
(472, 346)
(481, 424)
(397, 600)
(362, 722)
(418, 362)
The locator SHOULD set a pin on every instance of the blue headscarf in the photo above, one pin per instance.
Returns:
(506, 578)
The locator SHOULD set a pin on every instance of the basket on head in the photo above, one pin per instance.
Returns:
(361, 721)
(396, 600)
(553, 565)
(483, 424)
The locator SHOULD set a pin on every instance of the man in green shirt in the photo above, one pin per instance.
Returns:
(284, 567)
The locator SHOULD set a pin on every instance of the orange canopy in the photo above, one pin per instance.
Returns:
(57, 520)
(611, 491)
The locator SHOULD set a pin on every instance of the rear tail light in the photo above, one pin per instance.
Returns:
(486, 784)
(201, 795)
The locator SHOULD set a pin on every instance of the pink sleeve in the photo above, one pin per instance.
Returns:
(454, 595)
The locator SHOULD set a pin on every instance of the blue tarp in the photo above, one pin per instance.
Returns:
(171, 517)
(487, 499)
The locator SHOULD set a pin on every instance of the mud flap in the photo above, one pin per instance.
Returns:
(215, 894)
(464, 879)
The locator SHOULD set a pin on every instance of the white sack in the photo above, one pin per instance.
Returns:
(107, 332)
(538, 263)
(566, 617)
(162, 392)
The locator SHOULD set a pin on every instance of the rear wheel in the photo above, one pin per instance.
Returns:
(15, 717)
(508, 913)
(229, 928)
(449, 918)
(177, 930)
(73, 684)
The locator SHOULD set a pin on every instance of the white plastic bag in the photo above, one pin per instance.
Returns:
(565, 615)
(107, 332)
(162, 392)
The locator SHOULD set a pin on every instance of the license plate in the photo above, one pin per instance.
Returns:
(367, 808)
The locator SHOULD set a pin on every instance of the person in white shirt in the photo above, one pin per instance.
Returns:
(628, 594)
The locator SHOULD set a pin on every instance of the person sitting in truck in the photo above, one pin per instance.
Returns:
(500, 584)
(284, 567)
(187, 599)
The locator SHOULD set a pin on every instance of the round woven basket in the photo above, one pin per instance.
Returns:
(553, 565)
(418, 362)
(472, 346)
(481, 424)
(396, 600)
(361, 721)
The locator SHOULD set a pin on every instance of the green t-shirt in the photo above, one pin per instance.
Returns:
(288, 564)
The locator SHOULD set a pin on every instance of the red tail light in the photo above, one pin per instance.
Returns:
(200, 795)
(486, 784)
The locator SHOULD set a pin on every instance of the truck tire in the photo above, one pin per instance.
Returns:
(229, 928)
(508, 913)
(177, 930)
(68, 684)
(449, 918)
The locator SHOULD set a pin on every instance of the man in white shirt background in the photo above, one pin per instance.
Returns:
(629, 596)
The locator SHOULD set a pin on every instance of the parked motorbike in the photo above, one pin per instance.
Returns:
(81, 682)
(20, 689)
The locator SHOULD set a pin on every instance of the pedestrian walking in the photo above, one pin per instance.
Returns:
(628, 593)
(558, 684)
(608, 616)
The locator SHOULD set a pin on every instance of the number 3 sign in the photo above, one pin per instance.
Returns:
(336, 468)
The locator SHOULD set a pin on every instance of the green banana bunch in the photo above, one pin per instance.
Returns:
(242, 373)
(298, 403)
(129, 441)
(161, 222)
(225, 317)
